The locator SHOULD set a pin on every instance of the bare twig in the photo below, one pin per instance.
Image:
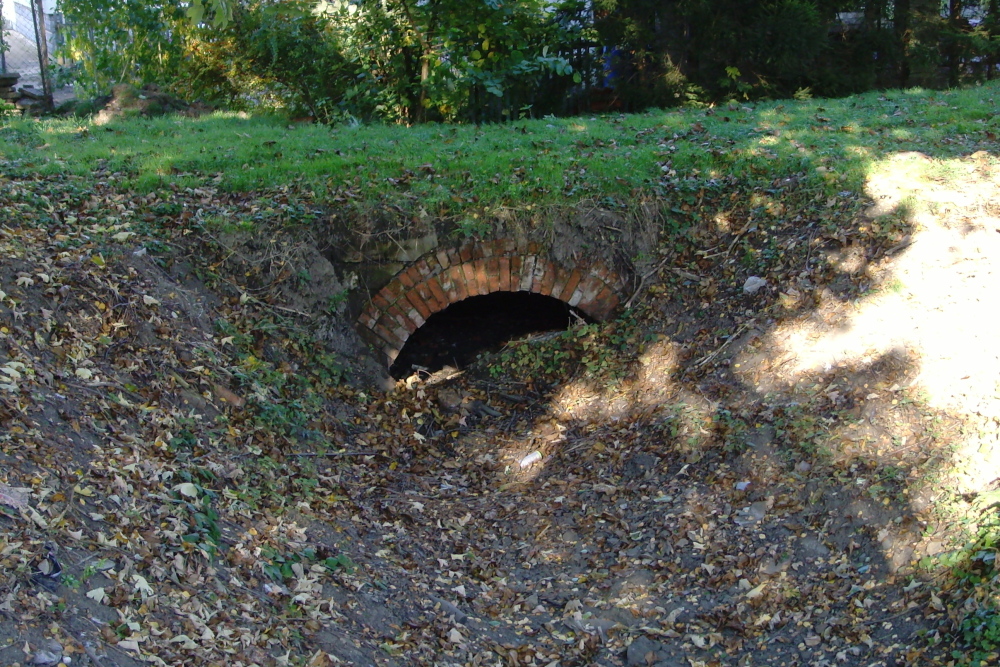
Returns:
(642, 282)
(361, 453)
(740, 234)
(708, 357)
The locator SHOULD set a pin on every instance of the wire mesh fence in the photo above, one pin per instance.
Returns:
(29, 35)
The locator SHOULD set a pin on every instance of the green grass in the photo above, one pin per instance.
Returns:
(468, 170)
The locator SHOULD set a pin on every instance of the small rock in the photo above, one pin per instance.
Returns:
(639, 465)
(753, 284)
(451, 610)
(449, 399)
(758, 510)
(813, 548)
(643, 652)
(49, 653)
(760, 437)
(570, 536)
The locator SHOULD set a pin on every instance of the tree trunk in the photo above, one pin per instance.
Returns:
(954, 45)
(901, 26)
(993, 21)
(425, 37)
(42, 44)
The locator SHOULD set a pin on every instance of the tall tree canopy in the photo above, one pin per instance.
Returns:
(418, 60)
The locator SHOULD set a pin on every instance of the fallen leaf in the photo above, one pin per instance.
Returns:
(98, 595)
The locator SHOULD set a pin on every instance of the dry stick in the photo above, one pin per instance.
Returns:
(642, 283)
(96, 659)
(362, 453)
(809, 249)
(739, 235)
(289, 310)
(707, 358)
(905, 612)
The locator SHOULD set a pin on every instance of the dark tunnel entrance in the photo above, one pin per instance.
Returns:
(456, 335)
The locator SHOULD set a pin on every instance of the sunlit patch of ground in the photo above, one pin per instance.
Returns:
(934, 301)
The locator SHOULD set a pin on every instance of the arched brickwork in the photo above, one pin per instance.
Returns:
(441, 278)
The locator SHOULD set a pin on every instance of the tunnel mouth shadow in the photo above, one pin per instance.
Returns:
(457, 335)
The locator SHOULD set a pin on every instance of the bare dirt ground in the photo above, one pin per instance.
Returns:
(722, 478)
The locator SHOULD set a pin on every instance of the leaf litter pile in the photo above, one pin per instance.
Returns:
(185, 479)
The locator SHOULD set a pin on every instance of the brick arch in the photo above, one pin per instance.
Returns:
(441, 278)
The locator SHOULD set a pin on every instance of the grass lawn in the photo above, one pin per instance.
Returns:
(469, 172)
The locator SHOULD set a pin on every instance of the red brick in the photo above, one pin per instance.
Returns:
(440, 298)
(414, 274)
(465, 253)
(392, 292)
(548, 280)
(405, 280)
(449, 285)
(387, 335)
(533, 248)
(425, 294)
(571, 284)
(412, 313)
(418, 303)
(454, 259)
(485, 250)
(457, 276)
(367, 320)
(493, 270)
(562, 276)
(577, 296)
(538, 275)
(442, 258)
(470, 279)
(608, 304)
(482, 276)
(608, 276)
(515, 273)
(380, 301)
(506, 246)
(527, 272)
(409, 325)
(424, 268)
(504, 274)
(587, 291)
(602, 272)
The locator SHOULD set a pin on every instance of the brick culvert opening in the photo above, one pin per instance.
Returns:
(457, 335)
(544, 290)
